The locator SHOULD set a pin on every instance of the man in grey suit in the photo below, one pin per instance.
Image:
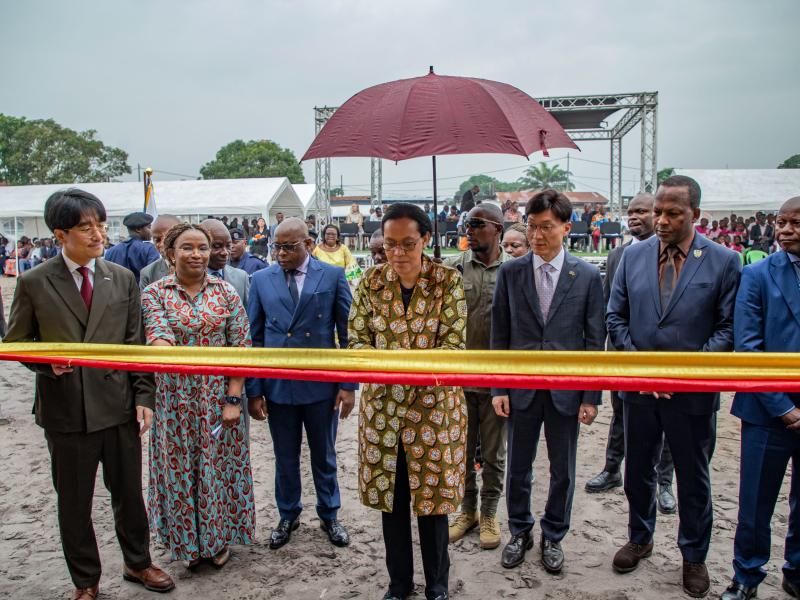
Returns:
(640, 224)
(545, 300)
(675, 291)
(218, 262)
(89, 416)
(160, 268)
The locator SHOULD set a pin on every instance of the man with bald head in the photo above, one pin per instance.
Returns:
(376, 248)
(640, 225)
(301, 302)
(160, 268)
(479, 266)
(767, 319)
(220, 253)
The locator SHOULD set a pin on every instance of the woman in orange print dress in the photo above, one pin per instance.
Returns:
(411, 439)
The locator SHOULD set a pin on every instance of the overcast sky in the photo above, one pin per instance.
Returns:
(171, 82)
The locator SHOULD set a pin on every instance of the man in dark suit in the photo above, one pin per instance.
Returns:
(136, 252)
(89, 415)
(640, 225)
(767, 319)
(545, 300)
(160, 268)
(300, 302)
(468, 199)
(676, 292)
(220, 254)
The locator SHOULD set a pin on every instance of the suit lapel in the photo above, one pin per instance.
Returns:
(64, 284)
(529, 288)
(103, 285)
(651, 262)
(565, 280)
(691, 264)
(782, 272)
(279, 283)
(313, 277)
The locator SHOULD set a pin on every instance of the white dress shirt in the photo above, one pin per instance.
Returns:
(557, 263)
(73, 270)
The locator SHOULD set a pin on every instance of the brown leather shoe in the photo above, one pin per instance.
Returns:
(152, 578)
(695, 579)
(627, 558)
(89, 593)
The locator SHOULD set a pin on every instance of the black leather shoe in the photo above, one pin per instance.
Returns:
(790, 588)
(514, 552)
(666, 501)
(552, 556)
(282, 533)
(441, 597)
(391, 596)
(603, 481)
(337, 534)
(737, 591)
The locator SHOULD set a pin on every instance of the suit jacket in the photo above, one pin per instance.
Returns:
(47, 307)
(575, 321)
(240, 281)
(612, 262)
(319, 318)
(767, 319)
(698, 318)
(153, 272)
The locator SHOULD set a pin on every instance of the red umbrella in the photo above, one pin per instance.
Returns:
(435, 115)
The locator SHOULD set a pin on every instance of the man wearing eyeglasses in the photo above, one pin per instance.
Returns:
(301, 302)
(479, 266)
(89, 416)
(545, 300)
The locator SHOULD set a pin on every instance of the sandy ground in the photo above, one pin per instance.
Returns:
(309, 567)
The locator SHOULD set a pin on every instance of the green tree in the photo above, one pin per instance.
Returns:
(337, 191)
(663, 174)
(489, 185)
(541, 176)
(256, 158)
(793, 162)
(42, 151)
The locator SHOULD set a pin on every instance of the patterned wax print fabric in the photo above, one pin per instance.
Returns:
(430, 422)
(200, 496)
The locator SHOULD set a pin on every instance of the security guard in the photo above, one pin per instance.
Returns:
(240, 257)
(136, 252)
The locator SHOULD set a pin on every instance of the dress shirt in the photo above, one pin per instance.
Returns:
(557, 263)
(680, 256)
(73, 270)
(300, 275)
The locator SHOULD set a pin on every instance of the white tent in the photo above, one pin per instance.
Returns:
(743, 191)
(307, 193)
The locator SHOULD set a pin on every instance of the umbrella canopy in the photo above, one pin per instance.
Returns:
(436, 115)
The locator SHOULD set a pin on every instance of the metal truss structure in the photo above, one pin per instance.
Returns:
(583, 117)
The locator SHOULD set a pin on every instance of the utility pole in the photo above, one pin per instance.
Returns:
(138, 172)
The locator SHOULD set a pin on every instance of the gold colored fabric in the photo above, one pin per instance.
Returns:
(430, 422)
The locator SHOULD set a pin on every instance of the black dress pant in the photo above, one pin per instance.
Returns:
(74, 459)
(615, 449)
(433, 540)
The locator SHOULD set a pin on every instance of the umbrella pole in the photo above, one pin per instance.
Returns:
(437, 251)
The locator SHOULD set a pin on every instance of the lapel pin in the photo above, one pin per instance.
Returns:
(572, 273)
(106, 278)
(698, 253)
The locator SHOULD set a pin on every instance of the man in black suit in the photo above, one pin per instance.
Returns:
(545, 300)
(673, 292)
(640, 224)
(89, 416)
(468, 199)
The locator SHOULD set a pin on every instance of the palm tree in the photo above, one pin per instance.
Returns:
(539, 177)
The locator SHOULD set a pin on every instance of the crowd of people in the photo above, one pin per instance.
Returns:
(670, 288)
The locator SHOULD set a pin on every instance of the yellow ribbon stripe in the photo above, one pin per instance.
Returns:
(678, 365)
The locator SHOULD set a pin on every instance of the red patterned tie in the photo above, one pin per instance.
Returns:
(86, 287)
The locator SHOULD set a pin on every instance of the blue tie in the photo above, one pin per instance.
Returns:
(218, 274)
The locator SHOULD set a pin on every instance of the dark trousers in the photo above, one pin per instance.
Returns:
(74, 458)
(691, 439)
(286, 424)
(561, 433)
(615, 449)
(765, 454)
(486, 428)
(433, 540)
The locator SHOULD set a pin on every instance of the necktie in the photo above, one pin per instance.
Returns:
(545, 288)
(668, 278)
(292, 283)
(219, 274)
(86, 287)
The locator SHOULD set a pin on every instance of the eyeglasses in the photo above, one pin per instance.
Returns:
(285, 247)
(478, 223)
(406, 246)
(87, 228)
(545, 229)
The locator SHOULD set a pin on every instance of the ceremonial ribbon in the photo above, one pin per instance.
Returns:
(623, 371)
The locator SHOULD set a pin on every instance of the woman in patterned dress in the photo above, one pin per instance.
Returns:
(411, 439)
(201, 488)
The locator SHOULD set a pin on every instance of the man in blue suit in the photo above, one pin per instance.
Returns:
(300, 302)
(674, 291)
(767, 319)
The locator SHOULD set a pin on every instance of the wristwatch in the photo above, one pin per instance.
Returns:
(234, 400)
